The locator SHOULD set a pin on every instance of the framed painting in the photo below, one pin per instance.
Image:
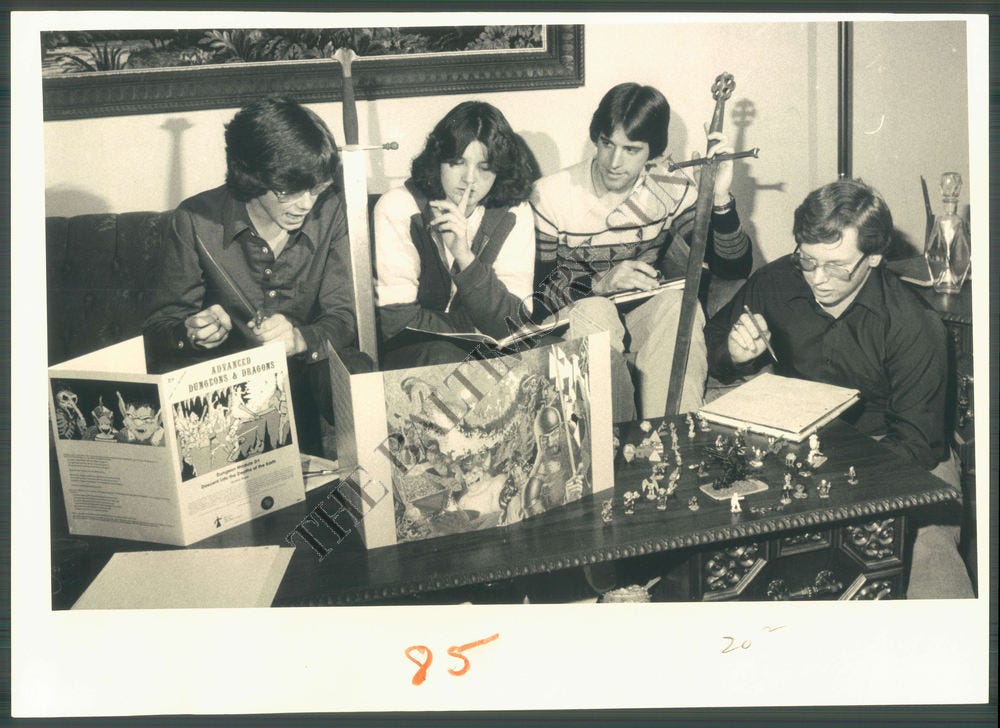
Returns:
(114, 73)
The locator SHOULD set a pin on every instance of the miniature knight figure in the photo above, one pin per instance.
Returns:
(629, 499)
(815, 458)
(628, 452)
(607, 511)
(693, 503)
(734, 503)
(823, 488)
(852, 476)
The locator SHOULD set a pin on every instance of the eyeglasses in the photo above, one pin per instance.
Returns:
(833, 270)
(314, 191)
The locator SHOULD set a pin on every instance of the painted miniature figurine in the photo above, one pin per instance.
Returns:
(673, 427)
(661, 499)
(823, 488)
(800, 491)
(786, 490)
(702, 472)
(720, 442)
(607, 511)
(815, 458)
(628, 452)
(852, 476)
(757, 461)
(673, 441)
(734, 503)
(703, 424)
(693, 503)
(629, 499)
(649, 488)
(677, 458)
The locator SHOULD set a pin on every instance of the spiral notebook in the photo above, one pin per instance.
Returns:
(780, 406)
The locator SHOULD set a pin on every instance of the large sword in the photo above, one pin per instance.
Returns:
(722, 89)
(354, 161)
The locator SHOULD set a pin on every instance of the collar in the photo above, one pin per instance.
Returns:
(236, 222)
(871, 296)
(235, 219)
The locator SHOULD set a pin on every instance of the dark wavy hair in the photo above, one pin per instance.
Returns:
(823, 215)
(641, 111)
(277, 144)
(506, 152)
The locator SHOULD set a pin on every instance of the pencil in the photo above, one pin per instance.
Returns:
(760, 333)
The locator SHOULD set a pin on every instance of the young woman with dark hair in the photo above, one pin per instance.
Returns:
(454, 247)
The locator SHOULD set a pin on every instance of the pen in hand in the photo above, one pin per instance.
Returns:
(760, 333)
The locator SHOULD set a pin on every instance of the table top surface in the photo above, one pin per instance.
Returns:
(573, 535)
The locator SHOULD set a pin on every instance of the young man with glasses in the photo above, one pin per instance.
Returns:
(834, 314)
(263, 258)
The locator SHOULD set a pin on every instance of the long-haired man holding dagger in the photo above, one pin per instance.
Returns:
(263, 258)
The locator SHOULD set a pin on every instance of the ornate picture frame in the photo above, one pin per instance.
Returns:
(557, 64)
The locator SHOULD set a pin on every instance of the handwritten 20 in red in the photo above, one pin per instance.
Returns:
(455, 651)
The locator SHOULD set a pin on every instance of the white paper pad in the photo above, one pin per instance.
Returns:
(188, 579)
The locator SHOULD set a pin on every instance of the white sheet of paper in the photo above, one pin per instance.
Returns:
(188, 579)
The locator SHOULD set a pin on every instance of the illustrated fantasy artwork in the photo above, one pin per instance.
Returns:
(521, 449)
(108, 412)
(231, 423)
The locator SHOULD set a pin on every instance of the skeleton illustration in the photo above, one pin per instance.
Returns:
(69, 419)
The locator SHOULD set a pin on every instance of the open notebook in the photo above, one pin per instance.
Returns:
(780, 406)
(552, 324)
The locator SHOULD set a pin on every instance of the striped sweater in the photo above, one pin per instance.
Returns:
(580, 235)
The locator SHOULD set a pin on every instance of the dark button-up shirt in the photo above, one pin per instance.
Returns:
(309, 281)
(887, 344)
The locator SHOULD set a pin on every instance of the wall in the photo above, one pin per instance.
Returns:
(784, 103)
(911, 105)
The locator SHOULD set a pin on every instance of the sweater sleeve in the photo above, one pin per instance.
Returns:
(729, 250)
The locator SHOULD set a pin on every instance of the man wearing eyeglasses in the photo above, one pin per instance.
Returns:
(263, 258)
(834, 314)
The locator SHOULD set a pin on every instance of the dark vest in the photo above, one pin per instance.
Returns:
(434, 283)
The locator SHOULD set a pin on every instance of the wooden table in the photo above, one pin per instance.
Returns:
(858, 533)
